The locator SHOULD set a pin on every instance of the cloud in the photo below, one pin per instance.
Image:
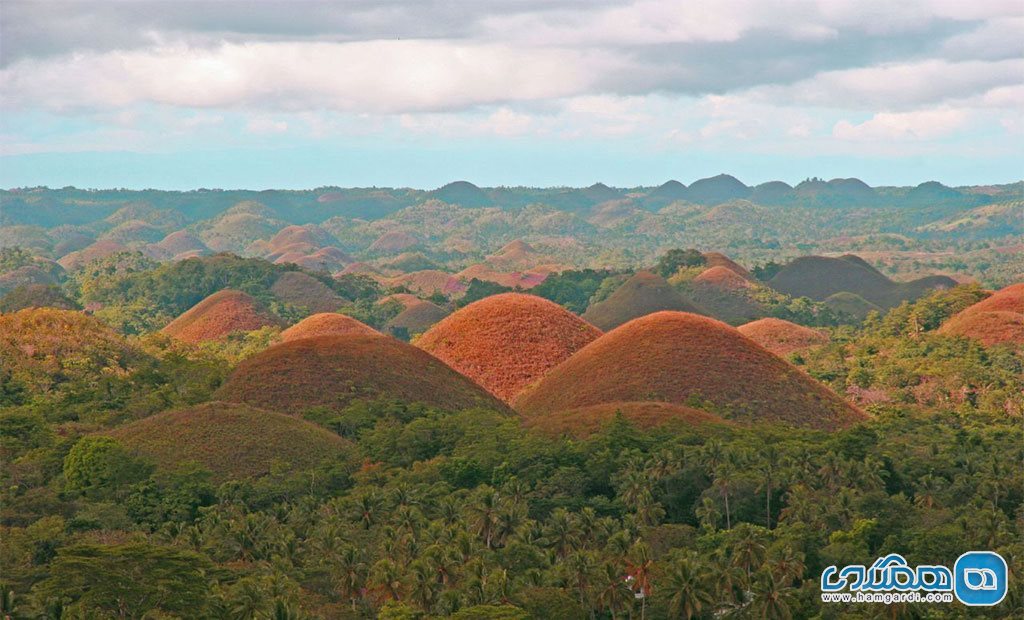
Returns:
(914, 126)
(263, 125)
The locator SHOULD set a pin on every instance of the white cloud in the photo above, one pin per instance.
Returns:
(262, 125)
(917, 125)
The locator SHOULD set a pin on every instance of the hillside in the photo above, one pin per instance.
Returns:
(416, 318)
(997, 319)
(218, 315)
(230, 440)
(678, 358)
(333, 371)
(583, 422)
(304, 291)
(782, 337)
(640, 295)
(506, 342)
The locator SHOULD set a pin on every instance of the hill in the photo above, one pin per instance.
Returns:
(997, 319)
(852, 304)
(716, 190)
(683, 358)
(232, 441)
(416, 318)
(506, 342)
(1009, 299)
(333, 371)
(35, 296)
(393, 242)
(640, 295)
(176, 246)
(585, 421)
(461, 193)
(80, 258)
(717, 259)
(782, 337)
(326, 324)
(218, 315)
(819, 277)
(304, 291)
(722, 278)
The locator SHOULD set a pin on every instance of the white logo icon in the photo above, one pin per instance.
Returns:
(980, 579)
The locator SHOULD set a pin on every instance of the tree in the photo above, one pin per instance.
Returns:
(674, 260)
(128, 580)
(687, 586)
(100, 466)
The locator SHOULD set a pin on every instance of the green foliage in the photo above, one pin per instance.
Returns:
(479, 289)
(12, 257)
(372, 313)
(572, 289)
(100, 466)
(676, 259)
(127, 581)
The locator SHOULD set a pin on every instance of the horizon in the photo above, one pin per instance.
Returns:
(145, 94)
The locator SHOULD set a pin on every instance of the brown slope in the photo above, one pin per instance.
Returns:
(304, 291)
(100, 249)
(638, 296)
(417, 318)
(1008, 299)
(679, 358)
(988, 328)
(585, 421)
(333, 371)
(506, 342)
(326, 324)
(231, 440)
(723, 278)
(218, 315)
(782, 337)
(717, 259)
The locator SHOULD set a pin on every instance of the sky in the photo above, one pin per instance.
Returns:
(302, 94)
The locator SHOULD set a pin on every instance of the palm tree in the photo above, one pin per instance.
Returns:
(748, 552)
(708, 514)
(366, 508)
(387, 579)
(772, 599)
(687, 582)
(770, 461)
(787, 564)
(484, 513)
(640, 567)
(423, 586)
(723, 482)
(614, 594)
(561, 532)
(350, 572)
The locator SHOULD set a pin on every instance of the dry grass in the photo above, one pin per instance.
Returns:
(989, 328)
(333, 371)
(1009, 299)
(100, 249)
(231, 440)
(638, 296)
(723, 278)
(717, 259)
(851, 304)
(782, 337)
(217, 316)
(585, 421)
(394, 241)
(428, 282)
(683, 358)
(326, 324)
(506, 342)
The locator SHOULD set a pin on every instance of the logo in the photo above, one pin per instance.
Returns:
(979, 578)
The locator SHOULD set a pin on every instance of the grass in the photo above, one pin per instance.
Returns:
(782, 337)
(638, 296)
(231, 440)
(326, 324)
(684, 358)
(506, 342)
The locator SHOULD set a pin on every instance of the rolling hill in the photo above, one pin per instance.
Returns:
(782, 337)
(640, 295)
(683, 358)
(218, 315)
(326, 324)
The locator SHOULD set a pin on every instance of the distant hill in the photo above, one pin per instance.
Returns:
(716, 190)
(640, 295)
(326, 324)
(461, 193)
(416, 318)
(304, 291)
(819, 277)
(997, 319)
(782, 337)
(218, 315)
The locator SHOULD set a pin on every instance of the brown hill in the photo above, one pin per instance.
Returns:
(782, 337)
(506, 342)
(1008, 299)
(313, 236)
(304, 291)
(638, 296)
(723, 278)
(177, 243)
(717, 259)
(585, 421)
(394, 241)
(681, 358)
(217, 316)
(819, 277)
(989, 328)
(428, 282)
(851, 304)
(333, 371)
(406, 299)
(231, 440)
(100, 249)
(416, 318)
(35, 296)
(326, 324)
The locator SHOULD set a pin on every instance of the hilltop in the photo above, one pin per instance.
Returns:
(326, 324)
(997, 319)
(218, 315)
(506, 342)
(782, 337)
(681, 358)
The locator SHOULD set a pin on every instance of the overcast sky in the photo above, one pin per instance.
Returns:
(179, 94)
